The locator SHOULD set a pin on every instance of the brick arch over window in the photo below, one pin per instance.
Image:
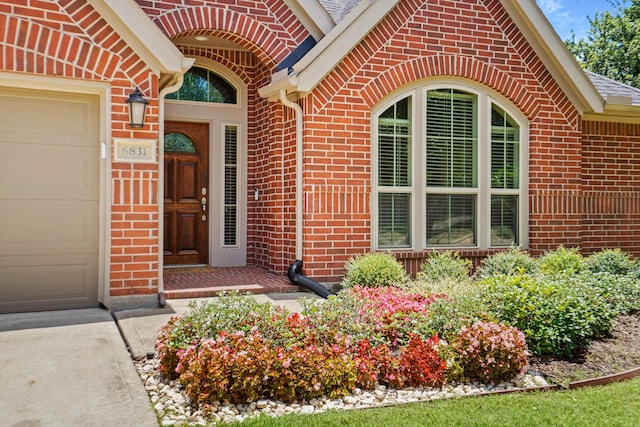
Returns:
(456, 66)
(65, 55)
(253, 35)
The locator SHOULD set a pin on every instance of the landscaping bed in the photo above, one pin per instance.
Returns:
(385, 339)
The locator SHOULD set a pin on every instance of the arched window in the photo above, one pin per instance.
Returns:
(203, 85)
(178, 143)
(449, 170)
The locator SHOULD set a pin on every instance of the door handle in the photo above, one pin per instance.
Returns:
(203, 202)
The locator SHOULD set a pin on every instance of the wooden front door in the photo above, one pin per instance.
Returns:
(186, 193)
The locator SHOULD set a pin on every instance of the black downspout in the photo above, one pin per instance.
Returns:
(299, 279)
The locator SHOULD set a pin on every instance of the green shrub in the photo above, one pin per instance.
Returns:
(459, 304)
(612, 261)
(512, 262)
(491, 352)
(620, 292)
(558, 314)
(448, 315)
(561, 261)
(344, 312)
(374, 270)
(447, 265)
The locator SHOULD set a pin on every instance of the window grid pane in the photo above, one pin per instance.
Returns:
(230, 185)
(505, 150)
(451, 139)
(203, 85)
(394, 220)
(394, 145)
(504, 220)
(451, 219)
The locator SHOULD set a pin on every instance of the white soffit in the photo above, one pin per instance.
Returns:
(142, 35)
(329, 51)
(554, 54)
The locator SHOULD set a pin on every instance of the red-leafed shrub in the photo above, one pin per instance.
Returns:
(420, 363)
(417, 364)
(375, 364)
(242, 368)
(491, 352)
(384, 315)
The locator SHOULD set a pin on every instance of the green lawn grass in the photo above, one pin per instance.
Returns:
(612, 405)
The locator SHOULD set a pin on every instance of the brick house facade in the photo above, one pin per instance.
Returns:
(298, 158)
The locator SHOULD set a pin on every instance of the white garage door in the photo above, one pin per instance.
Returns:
(49, 200)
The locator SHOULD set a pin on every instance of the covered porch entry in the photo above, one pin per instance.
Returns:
(201, 282)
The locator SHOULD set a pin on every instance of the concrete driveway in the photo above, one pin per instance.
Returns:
(68, 368)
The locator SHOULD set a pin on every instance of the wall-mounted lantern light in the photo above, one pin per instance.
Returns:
(137, 109)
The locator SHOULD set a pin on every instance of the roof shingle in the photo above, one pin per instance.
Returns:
(608, 88)
(338, 9)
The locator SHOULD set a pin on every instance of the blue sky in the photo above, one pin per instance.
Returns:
(567, 15)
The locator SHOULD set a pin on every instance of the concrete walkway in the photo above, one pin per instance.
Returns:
(74, 367)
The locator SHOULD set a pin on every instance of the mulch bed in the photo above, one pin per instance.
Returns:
(612, 355)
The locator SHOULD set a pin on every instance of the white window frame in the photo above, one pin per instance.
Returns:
(418, 190)
(223, 178)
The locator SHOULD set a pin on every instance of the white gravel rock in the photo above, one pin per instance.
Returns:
(170, 402)
(307, 409)
(350, 400)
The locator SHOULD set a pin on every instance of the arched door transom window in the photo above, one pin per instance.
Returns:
(177, 142)
(202, 85)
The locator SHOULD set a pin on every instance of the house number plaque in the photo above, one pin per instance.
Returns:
(135, 150)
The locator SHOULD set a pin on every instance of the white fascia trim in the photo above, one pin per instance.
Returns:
(554, 54)
(313, 16)
(329, 51)
(616, 113)
(142, 35)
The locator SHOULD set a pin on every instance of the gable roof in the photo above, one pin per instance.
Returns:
(364, 15)
(145, 38)
(318, 62)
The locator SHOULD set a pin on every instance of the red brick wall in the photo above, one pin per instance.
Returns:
(67, 38)
(611, 186)
(571, 195)
(417, 40)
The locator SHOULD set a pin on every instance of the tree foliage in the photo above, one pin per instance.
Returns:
(612, 47)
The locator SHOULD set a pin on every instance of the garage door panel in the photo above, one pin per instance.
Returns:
(53, 283)
(39, 117)
(48, 172)
(56, 227)
(49, 200)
